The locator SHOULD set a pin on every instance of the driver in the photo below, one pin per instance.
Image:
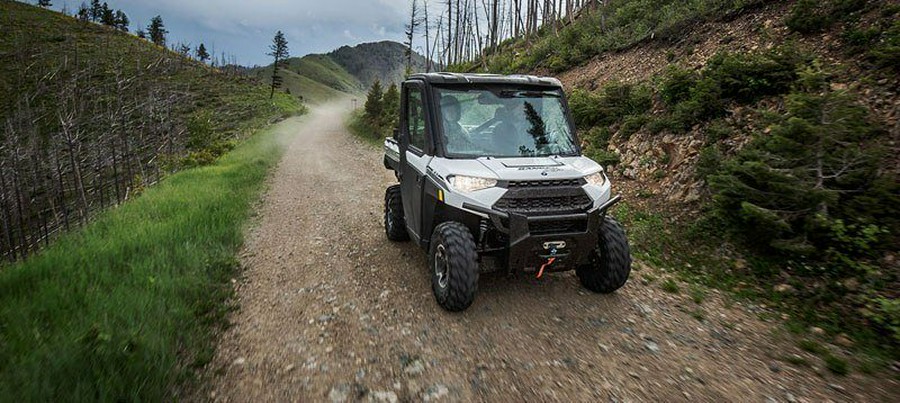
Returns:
(454, 134)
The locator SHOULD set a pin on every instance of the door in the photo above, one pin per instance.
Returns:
(414, 157)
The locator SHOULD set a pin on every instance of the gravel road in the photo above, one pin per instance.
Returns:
(330, 310)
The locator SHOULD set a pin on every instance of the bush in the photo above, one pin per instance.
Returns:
(613, 103)
(886, 53)
(677, 84)
(709, 162)
(807, 17)
(791, 187)
(693, 98)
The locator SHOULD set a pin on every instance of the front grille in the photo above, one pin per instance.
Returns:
(557, 227)
(546, 183)
(553, 204)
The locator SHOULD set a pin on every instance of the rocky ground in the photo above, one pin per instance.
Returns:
(330, 310)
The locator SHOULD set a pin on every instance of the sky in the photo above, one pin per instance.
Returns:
(244, 28)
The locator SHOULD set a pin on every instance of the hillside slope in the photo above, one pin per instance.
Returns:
(773, 125)
(318, 78)
(92, 115)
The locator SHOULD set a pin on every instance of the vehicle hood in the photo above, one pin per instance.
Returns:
(540, 168)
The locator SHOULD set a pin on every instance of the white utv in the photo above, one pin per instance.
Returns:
(492, 178)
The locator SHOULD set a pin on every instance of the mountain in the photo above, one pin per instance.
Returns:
(384, 61)
(347, 70)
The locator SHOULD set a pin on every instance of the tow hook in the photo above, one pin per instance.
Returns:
(544, 266)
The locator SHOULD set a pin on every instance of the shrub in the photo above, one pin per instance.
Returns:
(610, 105)
(677, 84)
(885, 314)
(790, 187)
(693, 98)
(886, 53)
(709, 162)
(806, 16)
(747, 78)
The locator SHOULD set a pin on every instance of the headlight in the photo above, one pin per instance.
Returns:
(597, 179)
(466, 184)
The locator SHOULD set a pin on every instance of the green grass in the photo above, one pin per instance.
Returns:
(362, 129)
(314, 78)
(836, 365)
(323, 69)
(670, 286)
(125, 308)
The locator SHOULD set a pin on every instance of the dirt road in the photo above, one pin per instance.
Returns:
(330, 310)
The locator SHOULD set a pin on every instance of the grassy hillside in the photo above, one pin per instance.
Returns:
(93, 115)
(348, 70)
(304, 88)
(323, 69)
(769, 124)
(313, 78)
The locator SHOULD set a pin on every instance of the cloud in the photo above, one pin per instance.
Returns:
(245, 28)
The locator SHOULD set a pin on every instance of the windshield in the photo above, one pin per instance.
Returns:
(504, 122)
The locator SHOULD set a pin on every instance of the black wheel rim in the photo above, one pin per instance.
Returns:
(441, 267)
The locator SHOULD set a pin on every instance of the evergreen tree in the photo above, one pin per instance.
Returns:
(141, 33)
(96, 10)
(121, 21)
(391, 105)
(202, 53)
(157, 31)
(107, 16)
(375, 104)
(795, 188)
(84, 13)
(184, 50)
(44, 3)
(279, 51)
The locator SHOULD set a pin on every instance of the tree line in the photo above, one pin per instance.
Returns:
(155, 31)
(457, 31)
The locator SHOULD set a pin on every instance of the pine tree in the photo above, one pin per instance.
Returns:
(84, 13)
(391, 105)
(279, 51)
(157, 31)
(793, 186)
(121, 21)
(96, 10)
(107, 16)
(44, 3)
(141, 33)
(375, 104)
(184, 50)
(202, 54)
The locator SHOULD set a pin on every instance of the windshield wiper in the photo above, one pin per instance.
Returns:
(528, 94)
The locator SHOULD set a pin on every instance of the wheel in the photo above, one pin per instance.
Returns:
(394, 224)
(454, 266)
(610, 261)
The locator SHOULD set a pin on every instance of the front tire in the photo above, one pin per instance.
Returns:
(394, 222)
(610, 261)
(454, 266)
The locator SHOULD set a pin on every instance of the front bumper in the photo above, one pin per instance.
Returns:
(533, 240)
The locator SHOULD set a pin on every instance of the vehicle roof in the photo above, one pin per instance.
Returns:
(469, 78)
